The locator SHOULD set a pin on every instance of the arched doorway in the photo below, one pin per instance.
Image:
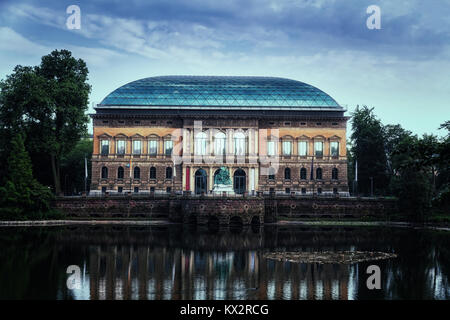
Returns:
(239, 181)
(200, 181)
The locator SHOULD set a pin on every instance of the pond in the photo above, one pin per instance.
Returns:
(170, 261)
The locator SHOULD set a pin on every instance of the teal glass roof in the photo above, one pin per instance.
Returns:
(214, 92)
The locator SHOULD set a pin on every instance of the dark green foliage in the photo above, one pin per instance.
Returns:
(22, 195)
(48, 103)
(368, 148)
(73, 169)
(413, 190)
(414, 169)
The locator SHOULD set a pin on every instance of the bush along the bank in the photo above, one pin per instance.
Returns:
(22, 197)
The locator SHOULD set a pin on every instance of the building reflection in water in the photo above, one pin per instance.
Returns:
(178, 262)
(125, 272)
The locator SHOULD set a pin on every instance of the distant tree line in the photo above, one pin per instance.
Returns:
(392, 161)
(43, 131)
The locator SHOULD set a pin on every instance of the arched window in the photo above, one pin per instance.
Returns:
(271, 173)
(104, 173)
(200, 143)
(137, 173)
(319, 173)
(334, 174)
(120, 173)
(219, 143)
(168, 173)
(152, 173)
(287, 173)
(239, 144)
(303, 173)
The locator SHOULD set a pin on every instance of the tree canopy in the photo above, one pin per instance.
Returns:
(47, 103)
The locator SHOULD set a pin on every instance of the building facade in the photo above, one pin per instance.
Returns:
(174, 133)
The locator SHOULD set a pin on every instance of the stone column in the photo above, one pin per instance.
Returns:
(211, 179)
(252, 180)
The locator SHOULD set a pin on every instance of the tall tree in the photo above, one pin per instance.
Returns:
(69, 92)
(22, 195)
(393, 135)
(49, 103)
(369, 151)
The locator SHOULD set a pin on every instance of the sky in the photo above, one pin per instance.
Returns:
(401, 69)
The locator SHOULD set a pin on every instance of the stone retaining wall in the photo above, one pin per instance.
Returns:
(223, 210)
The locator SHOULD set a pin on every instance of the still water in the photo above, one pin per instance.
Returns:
(183, 262)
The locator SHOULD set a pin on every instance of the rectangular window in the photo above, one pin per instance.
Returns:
(121, 146)
(153, 147)
(288, 190)
(168, 146)
(104, 147)
(287, 148)
(136, 189)
(302, 148)
(119, 189)
(318, 148)
(334, 149)
(271, 148)
(137, 147)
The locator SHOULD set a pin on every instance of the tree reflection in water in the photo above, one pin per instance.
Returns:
(185, 262)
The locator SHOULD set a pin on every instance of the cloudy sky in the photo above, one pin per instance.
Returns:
(403, 69)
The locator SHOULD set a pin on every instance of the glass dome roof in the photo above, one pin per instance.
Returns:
(214, 92)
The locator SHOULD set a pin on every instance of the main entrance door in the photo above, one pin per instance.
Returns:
(239, 181)
(200, 181)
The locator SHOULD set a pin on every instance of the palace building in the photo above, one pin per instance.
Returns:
(173, 134)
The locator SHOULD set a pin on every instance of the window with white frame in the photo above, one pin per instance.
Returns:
(271, 148)
(303, 148)
(168, 147)
(121, 144)
(318, 148)
(201, 140)
(239, 144)
(219, 143)
(137, 145)
(334, 148)
(153, 147)
(104, 147)
(287, 148)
